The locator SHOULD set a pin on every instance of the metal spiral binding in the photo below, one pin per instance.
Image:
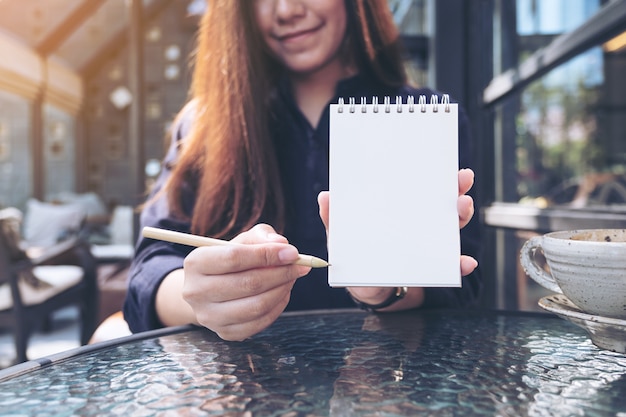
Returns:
(410, 104)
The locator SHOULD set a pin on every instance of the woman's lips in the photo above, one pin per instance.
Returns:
(296, 36)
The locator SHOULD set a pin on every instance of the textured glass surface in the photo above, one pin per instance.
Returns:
(421, 363)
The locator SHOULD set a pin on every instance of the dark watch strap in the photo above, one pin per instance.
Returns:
(395, 296)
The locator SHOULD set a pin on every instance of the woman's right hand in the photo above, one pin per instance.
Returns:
(237, 291)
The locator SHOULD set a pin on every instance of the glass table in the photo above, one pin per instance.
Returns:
(334, 363)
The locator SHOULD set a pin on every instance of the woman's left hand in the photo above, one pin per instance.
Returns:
(415, 297)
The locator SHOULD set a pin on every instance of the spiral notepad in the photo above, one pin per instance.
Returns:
(393, 193)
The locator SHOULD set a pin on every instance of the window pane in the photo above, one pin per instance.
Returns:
(537, 17)
(570, 133)
(570, 147)
(15, 151)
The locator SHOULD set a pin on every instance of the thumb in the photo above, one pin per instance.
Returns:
(323, 202)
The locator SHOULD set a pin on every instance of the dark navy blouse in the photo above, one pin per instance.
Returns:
(303, 157)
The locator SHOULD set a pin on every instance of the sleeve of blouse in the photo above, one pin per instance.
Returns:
(153, 259)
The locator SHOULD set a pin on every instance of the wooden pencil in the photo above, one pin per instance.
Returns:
(195, 240)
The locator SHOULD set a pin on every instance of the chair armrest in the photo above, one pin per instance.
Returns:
(55, 254)
(58, 254)
(72, 251)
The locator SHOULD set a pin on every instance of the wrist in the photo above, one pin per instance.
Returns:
(397, 294)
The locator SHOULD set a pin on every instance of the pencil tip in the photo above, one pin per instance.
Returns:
(318, 263)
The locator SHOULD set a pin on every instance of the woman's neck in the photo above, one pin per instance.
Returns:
(314, 90)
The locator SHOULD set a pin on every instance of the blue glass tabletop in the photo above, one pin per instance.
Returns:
(332, 363)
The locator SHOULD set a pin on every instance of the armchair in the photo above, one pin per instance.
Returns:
(32, 288)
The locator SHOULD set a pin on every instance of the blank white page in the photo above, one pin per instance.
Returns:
(393, 217)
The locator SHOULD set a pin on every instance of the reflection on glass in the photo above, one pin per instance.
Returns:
(563, 382)
(569, 129)
(553, 16)
(428, 363)
(557, 132)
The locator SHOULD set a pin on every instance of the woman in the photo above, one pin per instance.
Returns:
(249, 162)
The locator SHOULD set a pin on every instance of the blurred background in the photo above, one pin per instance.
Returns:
(88, 89)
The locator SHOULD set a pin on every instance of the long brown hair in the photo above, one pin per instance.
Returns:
(229, 158)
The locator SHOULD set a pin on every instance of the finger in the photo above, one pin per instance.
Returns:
(465, 207)
(323, 200)
(240, 319)
(216, 260)
(468, 265)
(228, 287)
(260, 233)
(466, 180)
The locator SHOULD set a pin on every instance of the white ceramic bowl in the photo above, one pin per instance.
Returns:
(587, 266)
